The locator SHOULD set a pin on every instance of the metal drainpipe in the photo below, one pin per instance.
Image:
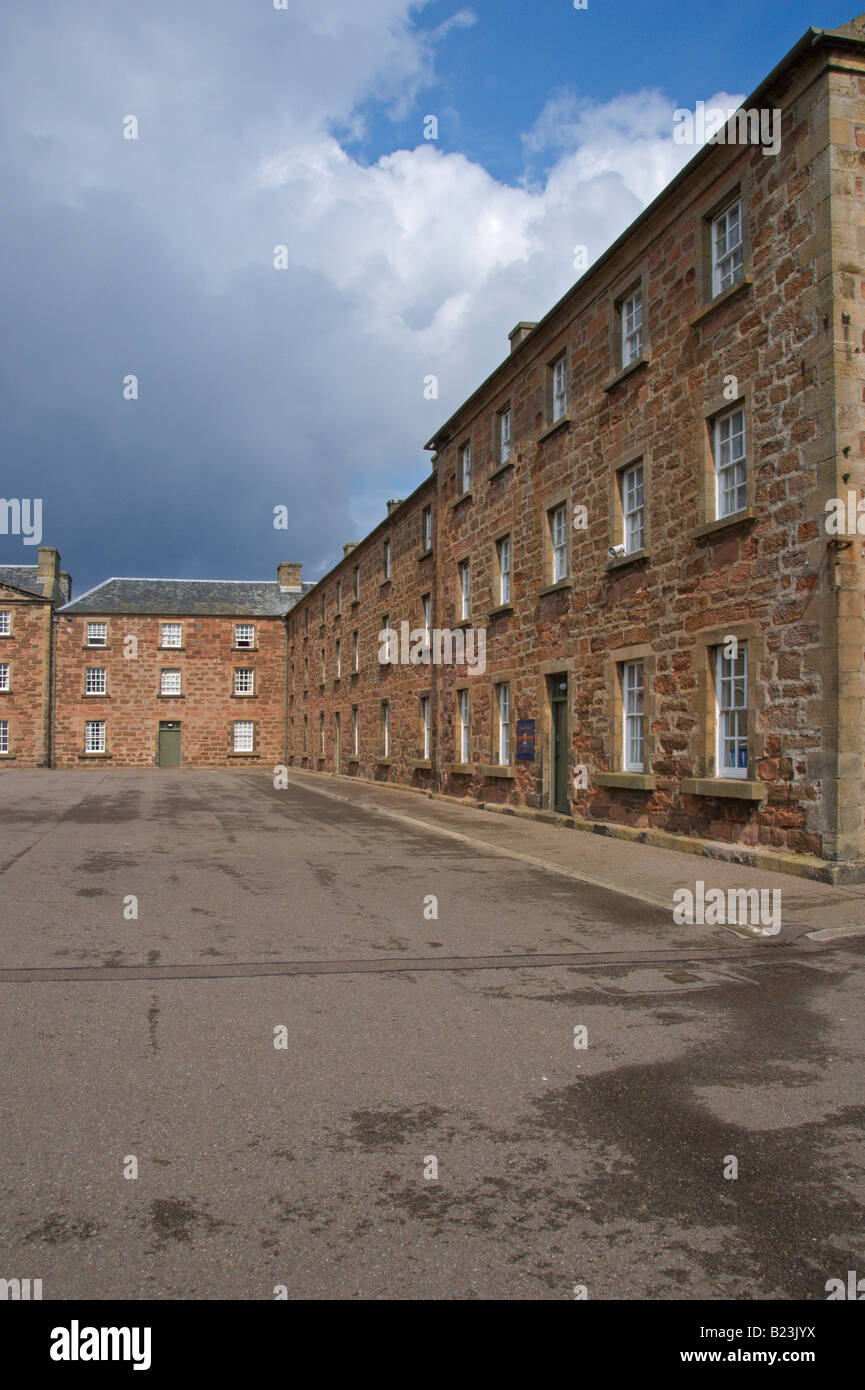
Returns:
(52, 691)
(285, 699)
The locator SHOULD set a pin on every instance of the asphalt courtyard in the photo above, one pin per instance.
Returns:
(250, 992)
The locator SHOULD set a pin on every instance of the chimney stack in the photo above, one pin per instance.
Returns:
(517, 334)
(349, 547)
(289, 575)
(394, 503)
(48, 571)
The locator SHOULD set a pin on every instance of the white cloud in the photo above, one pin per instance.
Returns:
(418, 263)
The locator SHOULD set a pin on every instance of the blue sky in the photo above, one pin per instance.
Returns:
(303, 386)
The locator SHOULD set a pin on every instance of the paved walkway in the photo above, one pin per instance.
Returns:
(637, 871)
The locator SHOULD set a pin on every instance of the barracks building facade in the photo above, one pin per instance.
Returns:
(616, 598)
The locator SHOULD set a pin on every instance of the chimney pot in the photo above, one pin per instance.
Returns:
(521, 331)
(48, 569)
(289, 574)
(394, 503)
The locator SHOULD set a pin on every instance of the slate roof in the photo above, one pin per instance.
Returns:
(22, 577)
(239, 598)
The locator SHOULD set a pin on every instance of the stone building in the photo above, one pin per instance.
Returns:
(28, 596)
(632, 507)
(174, 673)
(636, 555)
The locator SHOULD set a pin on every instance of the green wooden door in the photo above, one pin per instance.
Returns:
(169, 744)
(560, 792)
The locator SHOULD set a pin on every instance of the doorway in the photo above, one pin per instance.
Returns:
(169, 744)
(560, 791)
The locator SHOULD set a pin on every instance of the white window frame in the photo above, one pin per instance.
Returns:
(505, 435)
(426, 602)
(5, 676)
(465, 726)
(244, 636)
(4, 737)
(633, 716)
(558, 522)
(465, 582)
(5, 622)
(385, 728)
(728, 250)
(632, 327)
(97, 635)
(339, 596)
(95, 686)
(731, 711)
(170, 682)
(426, 528)
(357, 581)
(244, 736)
(244, 680)
(337, 657)
(730, 465)
(355, 730)
(633, 508)
(168, 631)
(322, 735)
(356, 652)
(465, 473)
(386, 559)
(503, 551)
(94, 736)
(425, 725)
(559, 388)
(503, 705)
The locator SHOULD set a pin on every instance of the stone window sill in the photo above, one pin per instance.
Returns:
(724, 523)
(232, 754)
(384, 762)
(244, 649)
(721, 299)
(422, 764)
(91, 647)
(424, 554)
(162, 649)
(555, 588)
(620, 561)
(235, 695)
(460, 769)
(355, 603)
(498, 770)
(501, 469)
(502, 608)
(463, 497)
(95, 755)
(160, 697)
(737, 787)
(563, 424)
(462, 625)
(642, 361)
(637, 781)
